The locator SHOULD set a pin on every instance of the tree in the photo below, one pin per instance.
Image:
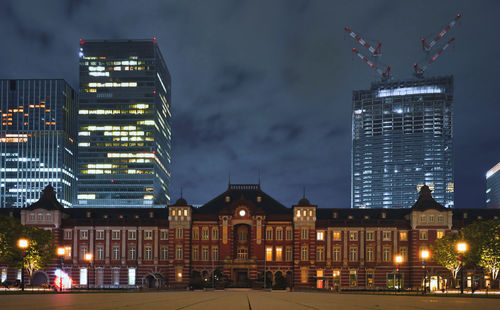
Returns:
(445, 253)
(489, 257)
(483, 240)
(475, 234)
(10, 232)
(40, 251)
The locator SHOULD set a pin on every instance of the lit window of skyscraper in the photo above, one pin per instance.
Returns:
(37, 141)
(124, 124)
(402, 138)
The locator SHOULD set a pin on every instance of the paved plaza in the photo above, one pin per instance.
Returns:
(254, 300)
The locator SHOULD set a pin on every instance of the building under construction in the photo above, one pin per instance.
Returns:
(402, 138)
(402, 132)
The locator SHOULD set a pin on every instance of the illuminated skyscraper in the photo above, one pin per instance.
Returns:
(37, 141)
(493, 187)
(402, 138)
(124, 124)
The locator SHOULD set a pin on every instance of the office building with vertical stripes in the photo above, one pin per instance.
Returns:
(124, 134)
(37, 141)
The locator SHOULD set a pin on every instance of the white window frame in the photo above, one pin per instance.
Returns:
(84, 235)
(132, 235)
(115, 235)
(99, 235)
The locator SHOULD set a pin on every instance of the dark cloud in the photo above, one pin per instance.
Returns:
(73, 5)
(197, 133)
(23, 29)
(335, 132)
(267, 85)
(232, 78)
(285, 132)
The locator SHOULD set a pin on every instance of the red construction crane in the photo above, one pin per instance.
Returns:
(375, 51)
(383, 74)
(419, 71)
(428, 46)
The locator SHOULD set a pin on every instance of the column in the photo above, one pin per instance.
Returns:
(379, 246)
(139, 245)
(156, 245)
(107, 245)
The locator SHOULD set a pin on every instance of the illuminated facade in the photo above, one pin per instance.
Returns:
(124, 124)
(493, 187)
(37, 140)
(242, 235)
(402, 138)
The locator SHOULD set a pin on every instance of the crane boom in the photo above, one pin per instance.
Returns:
(375, 51)
(428, 46)
(419, 71)
(383, 74)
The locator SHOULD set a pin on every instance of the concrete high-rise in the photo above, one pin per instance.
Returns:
(402, 138)
(37, 141)
(124, 124)
(493, 187)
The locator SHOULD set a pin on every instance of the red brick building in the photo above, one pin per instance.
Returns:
(244, 234)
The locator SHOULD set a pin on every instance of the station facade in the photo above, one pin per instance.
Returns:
(243, 236)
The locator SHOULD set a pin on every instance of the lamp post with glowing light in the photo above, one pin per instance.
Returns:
(461, 249)
(22, 244)
(398, 259)
(88, 258)
(61, 252)
(424, 254)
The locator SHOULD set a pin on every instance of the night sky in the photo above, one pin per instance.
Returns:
(266, 85)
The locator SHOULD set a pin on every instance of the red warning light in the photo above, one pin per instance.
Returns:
(154, 91)
(112, 181)
(82, 42)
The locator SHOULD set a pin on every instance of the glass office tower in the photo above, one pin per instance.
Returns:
(493, 187)
(402, 138)
(124, 124)
(37, 141)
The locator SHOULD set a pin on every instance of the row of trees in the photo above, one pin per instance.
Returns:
(483, 240)
(40, 251)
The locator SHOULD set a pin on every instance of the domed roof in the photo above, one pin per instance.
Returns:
(304, 202)
(47, 201)
(425, 200)
(181, 202)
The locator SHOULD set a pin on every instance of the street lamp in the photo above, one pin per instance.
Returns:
(22, 244)
(61, 252)
(88, 258)
(461, 249)
(424, 254)
(398, 259)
